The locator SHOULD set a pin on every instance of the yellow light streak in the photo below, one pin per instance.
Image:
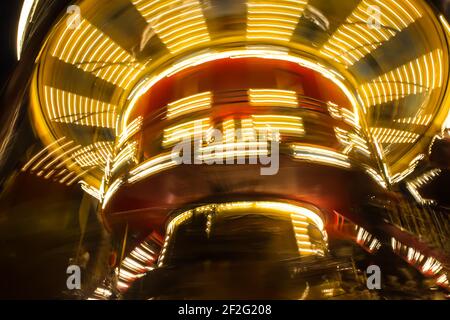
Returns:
(273, 19)
(111, 191)
(285, 125)
(230, 150)
(343, 114)
(191, 104)
(151, 167)
(26, 16)
(127, 154)
(356, 38)
(376, 176)
(250, 51)
(387, 135)
(444, 23)
(40, 153)
(421, 120)
(96, 154)
(67, 107)
(180, 24)
(133, 128)
(49, 155)
(94, 192)
(320, 155)
(352, 141)
(77, 177)
(421, 75)
(185, 130)
(273, 98)
(89, 49)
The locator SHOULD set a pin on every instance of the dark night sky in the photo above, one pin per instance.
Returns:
(10, 11)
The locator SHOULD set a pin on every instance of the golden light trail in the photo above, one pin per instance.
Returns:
(273, 98)
(77, 177)
(366, 239)
(137, 264)
(414, 185)
(248, 132)
(343, 114)
(410, 169)
(301, 218)
(151, 167)
(321, 155)
(133, 128)
(375, 175)
(432, 266)
(421, 120)
(230, 150)
(352, 141)
(257, 52)
(285, 125)
(112, 189)
(356, 37)
(26, 16)
(443, 280)
(191, 104)
(62, 155)
(50, 154)
(445, 23)
(89, 49)
(66, 107)
(92, 191)
(180, 24)
(49, 166)
(426, 265)
(228, 130)
(95, 154)
(273, 19)
(41, 153)
(68, 176)
(419, 76)
(173, 224)
(300, 226)
(426, 177)
(387, 135)
(101, 293)
(185, 131)
(126, 155)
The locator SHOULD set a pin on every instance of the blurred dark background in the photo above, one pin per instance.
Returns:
(10, 12)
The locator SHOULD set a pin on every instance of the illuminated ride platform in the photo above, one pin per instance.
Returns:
(346, 114)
